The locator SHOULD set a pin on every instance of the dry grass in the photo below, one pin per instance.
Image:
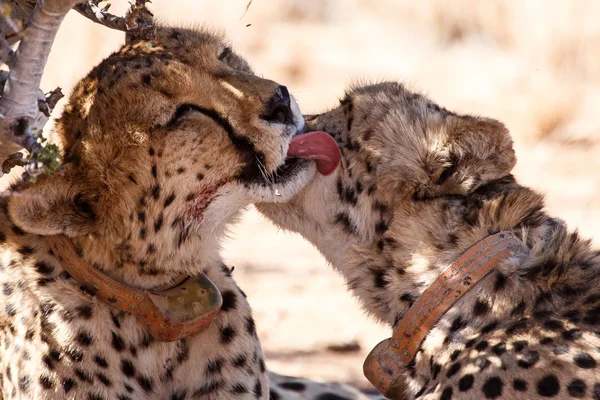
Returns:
(534, 65)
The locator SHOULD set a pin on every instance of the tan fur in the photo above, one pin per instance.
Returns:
(148, 187)
(416, 187)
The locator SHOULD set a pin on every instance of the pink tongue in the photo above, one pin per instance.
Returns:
(318, 146)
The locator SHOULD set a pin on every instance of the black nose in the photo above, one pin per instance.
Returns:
(278, 108)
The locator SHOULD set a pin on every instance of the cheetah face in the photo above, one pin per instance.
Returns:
(399, 151)
(172, 134)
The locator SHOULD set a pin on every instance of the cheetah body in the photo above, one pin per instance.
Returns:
(416, 187)
(163, 144)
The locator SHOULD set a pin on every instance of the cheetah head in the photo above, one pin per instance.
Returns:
(400, 154)
(163, 142)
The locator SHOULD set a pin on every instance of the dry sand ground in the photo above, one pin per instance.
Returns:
(533, 65)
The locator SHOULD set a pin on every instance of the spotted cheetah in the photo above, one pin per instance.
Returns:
(418, 185)
(163, 143)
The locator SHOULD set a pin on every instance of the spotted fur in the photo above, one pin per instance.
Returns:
(163, 144)
(416, 187)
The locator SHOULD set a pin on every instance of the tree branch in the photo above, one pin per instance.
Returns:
(134, 23)
(24, 109)
(20, 118)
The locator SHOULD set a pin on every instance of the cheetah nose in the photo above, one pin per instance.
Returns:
(278, 108)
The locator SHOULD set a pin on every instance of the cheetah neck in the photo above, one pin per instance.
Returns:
(390, 250)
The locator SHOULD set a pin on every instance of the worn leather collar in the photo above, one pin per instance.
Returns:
(385, 365)
(169, 313)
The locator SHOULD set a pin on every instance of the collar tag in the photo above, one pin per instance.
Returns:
(169, 314)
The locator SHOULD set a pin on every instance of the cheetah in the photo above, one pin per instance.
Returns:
(163, 143)
(416, 187)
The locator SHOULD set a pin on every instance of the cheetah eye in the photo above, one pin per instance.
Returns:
(224, 53)
(185, 109)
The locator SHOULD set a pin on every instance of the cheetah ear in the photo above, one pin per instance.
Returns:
(52, 206)
(474, 151)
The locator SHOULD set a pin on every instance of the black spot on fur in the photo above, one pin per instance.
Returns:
(548, 386)
(155, 191)
(481, 346)
(454, 368)
(577, 388)
(492, 388)
(117, 342)
(26, 250)
(145, 383)
(572, 334)
(519, 309)
(250, 326)
(519, 345)
(158, 222)
(43, 268)
(104, 379)
(481, 308)
(446, 394)
(238, 388)
(454, 355)
(500, 282)
(518, 326)
(257, 390)
(553, 325)
(207, 388)
(584, 360)
(489, 327)
(379, 278)
(85, 311)
(46, 382)
(127, 368)
(499, 348)
(214, 366)
(100, 361)
(68, 384)
(227, 334)
(239, 361)
(84, 338)
(457, 324)
(170, 198)
(466, 382)
(343, 219)
(178, 394)
(520, 385)
(229, 300)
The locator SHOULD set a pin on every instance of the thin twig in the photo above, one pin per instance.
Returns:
(130, 24)
(246, 10)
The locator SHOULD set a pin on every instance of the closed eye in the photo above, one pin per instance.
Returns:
(185, 109)
(239, 141)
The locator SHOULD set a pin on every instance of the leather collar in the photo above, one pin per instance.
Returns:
(169, 313)
(385, 365)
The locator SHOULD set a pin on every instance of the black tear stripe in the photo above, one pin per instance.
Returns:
(241, 143)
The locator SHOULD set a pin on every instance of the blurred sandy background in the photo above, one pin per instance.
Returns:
(534, 65)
